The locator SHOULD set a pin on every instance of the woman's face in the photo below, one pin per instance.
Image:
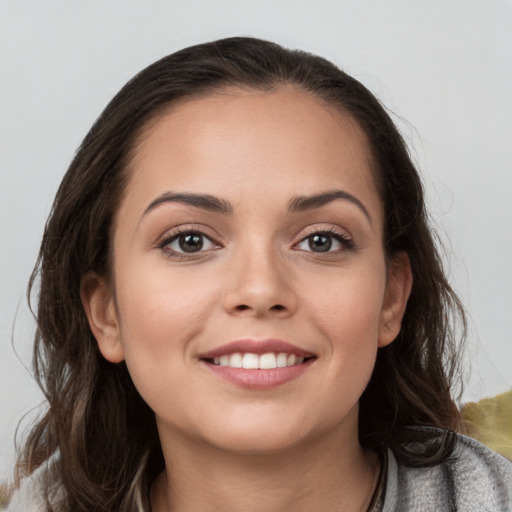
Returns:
(250, 234)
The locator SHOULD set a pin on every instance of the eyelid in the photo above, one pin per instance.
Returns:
(342, 236)
(173, 234)
(317, 228)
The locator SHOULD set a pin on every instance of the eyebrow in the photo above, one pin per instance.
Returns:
(304, 203)
(203, 201)
(218, 205)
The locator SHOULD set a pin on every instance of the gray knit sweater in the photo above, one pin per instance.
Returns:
(475, 479)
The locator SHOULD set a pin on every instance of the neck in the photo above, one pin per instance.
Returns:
(330, 473)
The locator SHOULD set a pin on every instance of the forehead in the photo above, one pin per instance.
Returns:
(236, 140)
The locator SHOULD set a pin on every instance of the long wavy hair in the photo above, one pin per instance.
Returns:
(97, 442)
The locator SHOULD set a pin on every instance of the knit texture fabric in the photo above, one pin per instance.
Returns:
(474, 479)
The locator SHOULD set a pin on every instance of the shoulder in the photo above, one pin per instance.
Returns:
(473, 479)
(32, 495)
(28, 497)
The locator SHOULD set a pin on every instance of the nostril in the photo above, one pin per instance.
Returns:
(276, 307)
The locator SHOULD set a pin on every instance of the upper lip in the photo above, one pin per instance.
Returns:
(256, 347)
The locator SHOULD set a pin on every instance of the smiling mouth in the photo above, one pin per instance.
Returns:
(258, 364)
(251, 361)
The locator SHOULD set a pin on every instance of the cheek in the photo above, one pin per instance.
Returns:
(153, 298)
(349, 302)
(346, 309)
(160, 313)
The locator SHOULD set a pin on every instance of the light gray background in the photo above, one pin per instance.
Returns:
(444, 67)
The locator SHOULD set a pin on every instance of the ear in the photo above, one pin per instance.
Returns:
(398, 289)
(98, 302)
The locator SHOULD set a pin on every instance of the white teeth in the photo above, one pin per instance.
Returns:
(268, 361)
(254, 361)
(235, 360)
(251, 361)
(281, 360)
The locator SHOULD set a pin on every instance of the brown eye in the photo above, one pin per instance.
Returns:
(320, 243)
(190, 243)
(326, 241)
(187, 242)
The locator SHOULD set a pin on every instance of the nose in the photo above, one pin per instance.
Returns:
(260, 285)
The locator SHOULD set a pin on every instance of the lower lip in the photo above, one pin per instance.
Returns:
(260, 379)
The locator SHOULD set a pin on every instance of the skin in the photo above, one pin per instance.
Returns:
(294, 446)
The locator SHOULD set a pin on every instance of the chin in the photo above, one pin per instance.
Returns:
(267, 434)
(259, 443)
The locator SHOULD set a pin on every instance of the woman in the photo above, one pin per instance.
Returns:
(241, 305)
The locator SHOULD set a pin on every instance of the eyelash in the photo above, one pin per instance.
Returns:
(179, 232)
(346, 242)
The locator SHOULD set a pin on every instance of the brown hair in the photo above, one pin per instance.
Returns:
(98, 440)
